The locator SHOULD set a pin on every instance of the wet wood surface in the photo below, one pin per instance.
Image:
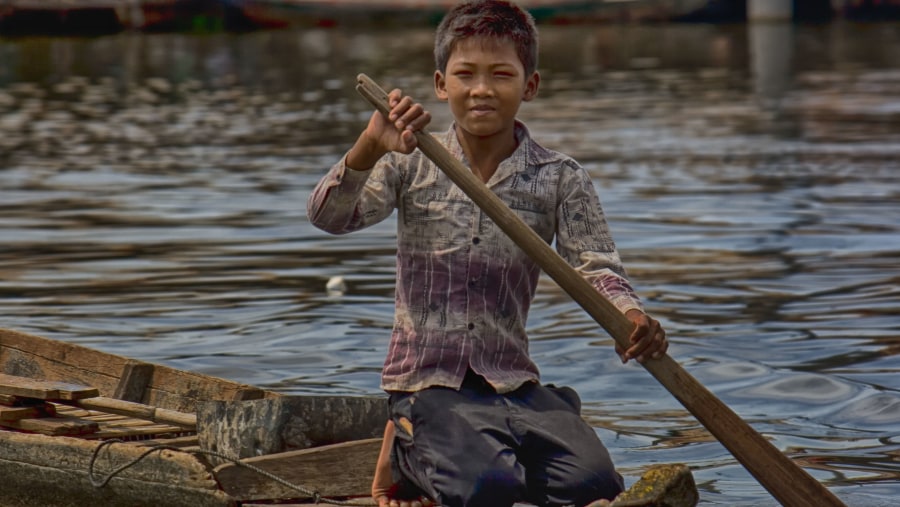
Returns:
(34, 357)
(13, 385)
(40, 470)
(344, 469)
(258, 427)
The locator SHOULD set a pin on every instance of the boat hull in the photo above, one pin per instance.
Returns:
(324, 444)
(40, 470)
(54, 17)
(282, 13)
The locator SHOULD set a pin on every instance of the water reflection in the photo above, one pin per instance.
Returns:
(771, 52)
(152, 193)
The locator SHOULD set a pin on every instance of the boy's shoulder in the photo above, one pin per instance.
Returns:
(541, 156)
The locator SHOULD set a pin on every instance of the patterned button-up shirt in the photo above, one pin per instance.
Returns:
(463, 287)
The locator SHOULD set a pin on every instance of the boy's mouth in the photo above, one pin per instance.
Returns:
(481, 109)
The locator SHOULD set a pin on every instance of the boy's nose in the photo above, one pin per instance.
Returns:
(482, 87)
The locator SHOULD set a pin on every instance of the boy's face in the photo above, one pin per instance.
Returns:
(485, 84)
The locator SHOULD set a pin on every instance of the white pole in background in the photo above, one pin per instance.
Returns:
(770, 10)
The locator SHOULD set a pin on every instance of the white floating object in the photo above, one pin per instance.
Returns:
(336, 285)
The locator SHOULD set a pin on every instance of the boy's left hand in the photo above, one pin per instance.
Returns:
(648, 340)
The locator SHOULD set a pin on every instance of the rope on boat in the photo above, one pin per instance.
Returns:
(101, 481)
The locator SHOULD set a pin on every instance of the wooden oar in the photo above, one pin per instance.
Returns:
(786, 481)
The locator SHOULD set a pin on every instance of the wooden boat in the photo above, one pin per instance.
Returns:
(83, 427)
(95, 16)
(280, 13)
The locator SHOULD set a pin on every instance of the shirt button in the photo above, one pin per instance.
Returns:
(471, 326)
(476, 240)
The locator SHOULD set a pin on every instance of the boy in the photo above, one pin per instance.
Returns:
(470, 423)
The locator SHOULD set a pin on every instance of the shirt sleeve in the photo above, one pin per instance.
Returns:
(346, 200)
(583, 239)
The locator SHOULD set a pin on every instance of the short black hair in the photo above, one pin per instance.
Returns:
(498, 19)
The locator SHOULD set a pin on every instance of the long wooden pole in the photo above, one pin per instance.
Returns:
(786, 481)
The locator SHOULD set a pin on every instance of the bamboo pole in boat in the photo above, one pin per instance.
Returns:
(127, 408)
(784, 479)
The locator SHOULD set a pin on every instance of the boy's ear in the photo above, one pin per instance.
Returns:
(440, 85)
(531, 87)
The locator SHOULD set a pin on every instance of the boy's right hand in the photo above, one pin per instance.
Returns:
(394, 133)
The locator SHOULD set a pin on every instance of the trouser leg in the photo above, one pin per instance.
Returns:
(456, 447)
(477, 448)
(566, 462)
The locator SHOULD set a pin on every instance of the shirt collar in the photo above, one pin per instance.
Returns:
(528, 153)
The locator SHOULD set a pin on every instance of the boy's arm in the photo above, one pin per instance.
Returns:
(584, 239)
(335, 203)
(394, 133)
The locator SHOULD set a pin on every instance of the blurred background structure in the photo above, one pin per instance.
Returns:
(103, 16)
(156, 156)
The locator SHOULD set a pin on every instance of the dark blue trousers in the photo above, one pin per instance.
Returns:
(477, 448)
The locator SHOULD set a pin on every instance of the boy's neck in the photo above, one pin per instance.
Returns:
(486, 153)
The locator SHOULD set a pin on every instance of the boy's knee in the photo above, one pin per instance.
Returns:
(489, 487)
(575, 484)
(591, 485)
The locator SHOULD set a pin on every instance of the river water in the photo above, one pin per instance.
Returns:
(152, 204)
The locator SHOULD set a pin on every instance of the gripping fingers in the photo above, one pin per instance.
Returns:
(406, 114)
(648, 339)
(663, 345)
(409, 116)
(652, 344)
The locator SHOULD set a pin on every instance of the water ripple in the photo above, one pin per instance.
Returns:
(152, 192)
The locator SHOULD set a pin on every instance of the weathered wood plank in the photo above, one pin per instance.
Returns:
(53, 471)
(180, 442)
(160, 415)
(8, 400)
(36, 357)
(18, 413)
(105, 418)
(43, 389)
(119, 426)
(131, 433)
(127, 408)
(253, 428)
(344, 469)
(55, 426)
(136, 377)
